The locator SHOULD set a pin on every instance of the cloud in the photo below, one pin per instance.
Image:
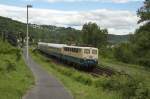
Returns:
(116, 21)
(111, 1)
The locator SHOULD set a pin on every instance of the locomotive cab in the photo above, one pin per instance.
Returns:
(90, 56)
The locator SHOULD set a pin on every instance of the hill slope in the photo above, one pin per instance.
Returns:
(49, 33)
(118, 38)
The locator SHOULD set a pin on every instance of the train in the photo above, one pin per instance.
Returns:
(85, 57)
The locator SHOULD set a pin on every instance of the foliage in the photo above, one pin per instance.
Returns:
(138, 49)
(94, 35)
(10, 66)
(144, 12)
(13, 72)
(123, 52)
(49, 33)
(116, 39)
(106, 52)
(141, 43)
(45, 33)
(131, 88)
(82, 85)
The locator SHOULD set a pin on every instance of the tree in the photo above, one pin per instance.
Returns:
(93, 35)
(123, 52)
(141, 38)
(144, 12)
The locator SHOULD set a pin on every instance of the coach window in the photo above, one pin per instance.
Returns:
(76, 50)
(79, 50)
(86, 51)
(65, 49)
(68, 49)
(94, 51)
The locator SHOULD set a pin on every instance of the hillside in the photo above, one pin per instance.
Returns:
(117, 38)
(48, 33)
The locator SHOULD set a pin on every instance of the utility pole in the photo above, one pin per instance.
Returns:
(27, 36)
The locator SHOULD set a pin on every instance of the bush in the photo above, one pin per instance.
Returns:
(144, 61)
(129, 87)
(123, 52)
(18, 54)
(106, 52)
(10, 66)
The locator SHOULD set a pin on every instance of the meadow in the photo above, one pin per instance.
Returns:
(15, 76)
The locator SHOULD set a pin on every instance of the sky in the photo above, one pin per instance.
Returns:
(118, 16)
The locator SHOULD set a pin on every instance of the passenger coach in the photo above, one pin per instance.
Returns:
(86, 57)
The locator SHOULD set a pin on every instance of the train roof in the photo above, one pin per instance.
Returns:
(53, 44)
(81, 47)
(64, 45)
(56, 45)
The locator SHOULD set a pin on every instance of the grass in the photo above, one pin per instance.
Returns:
(15, 77)
(131, 69)
(81, 85)
(84, 86)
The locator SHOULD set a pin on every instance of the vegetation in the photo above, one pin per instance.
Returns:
(137, 50)
(82, 85)
(144, 12)
(127, 87)
(93, 35)
(15, 77)
(49, 33)
(116, 39)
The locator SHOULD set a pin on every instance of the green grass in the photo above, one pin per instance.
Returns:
(85, 86)
(131, 69)
(81, 85)
(15, 77)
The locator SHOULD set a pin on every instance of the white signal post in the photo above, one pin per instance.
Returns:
(27, 36)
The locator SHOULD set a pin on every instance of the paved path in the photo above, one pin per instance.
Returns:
(47, 86)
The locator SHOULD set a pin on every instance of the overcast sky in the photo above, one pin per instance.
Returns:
(118, 16)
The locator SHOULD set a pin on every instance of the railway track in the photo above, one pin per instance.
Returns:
(102, 71)
(96, 72)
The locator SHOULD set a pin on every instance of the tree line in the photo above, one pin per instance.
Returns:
(137, 50)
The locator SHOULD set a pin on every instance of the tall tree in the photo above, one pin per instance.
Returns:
(144, 12)
(141, 38)
(94, 35)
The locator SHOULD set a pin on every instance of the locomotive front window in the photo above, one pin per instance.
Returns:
(94, 51)
(87, 51)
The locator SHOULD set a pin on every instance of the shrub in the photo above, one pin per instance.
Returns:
(144, 61)
(106, 52)
(123, 52)
(18, 54)
(129, 87)
(10, 66)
